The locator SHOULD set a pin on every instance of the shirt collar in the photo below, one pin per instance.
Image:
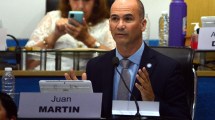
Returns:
(135, 58)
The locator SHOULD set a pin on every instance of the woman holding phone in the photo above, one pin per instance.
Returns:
(55, 32)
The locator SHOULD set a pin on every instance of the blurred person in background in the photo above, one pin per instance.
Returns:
(54, 32)
(8, 109)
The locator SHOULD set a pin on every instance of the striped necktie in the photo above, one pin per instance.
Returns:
(123, 93)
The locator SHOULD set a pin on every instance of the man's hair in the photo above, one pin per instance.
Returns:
(99, 13)
(141, 8)
(9, 105)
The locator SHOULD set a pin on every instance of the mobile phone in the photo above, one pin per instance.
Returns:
(76, 15)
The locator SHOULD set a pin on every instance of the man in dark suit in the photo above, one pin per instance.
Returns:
(154, 77)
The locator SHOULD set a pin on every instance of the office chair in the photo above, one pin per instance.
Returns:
(110, 2)
(51, 5)
(185, 57)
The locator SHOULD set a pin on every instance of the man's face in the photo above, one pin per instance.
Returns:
(3, 113)
(126, 25)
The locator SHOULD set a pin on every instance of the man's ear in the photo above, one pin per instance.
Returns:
(143, 24)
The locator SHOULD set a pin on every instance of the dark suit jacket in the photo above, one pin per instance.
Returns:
(165, 76)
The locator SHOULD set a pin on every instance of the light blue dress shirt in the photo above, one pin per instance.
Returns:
(133, 68)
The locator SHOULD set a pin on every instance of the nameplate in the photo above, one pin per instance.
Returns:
(206, 40)
(146, 108)
(3, 35)
(60, 105)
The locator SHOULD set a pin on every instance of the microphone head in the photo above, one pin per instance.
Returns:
(115, 61)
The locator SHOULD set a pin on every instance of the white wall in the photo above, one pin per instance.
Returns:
(20, 17)
(153, 8)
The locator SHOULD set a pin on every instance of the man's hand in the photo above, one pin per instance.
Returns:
(71, 75)
(144, 87)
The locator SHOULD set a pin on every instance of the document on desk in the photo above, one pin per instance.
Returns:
(3, 35)
(147, 108)
(206, 40)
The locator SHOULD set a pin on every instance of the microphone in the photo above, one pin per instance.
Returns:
(17, 42)
(17, 49)
(115, 62)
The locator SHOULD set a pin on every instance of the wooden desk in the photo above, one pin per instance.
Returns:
(205, 73)
(20, 73)
(28, 81)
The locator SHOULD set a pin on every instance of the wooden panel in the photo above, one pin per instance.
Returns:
(196, 9)
(18, 73)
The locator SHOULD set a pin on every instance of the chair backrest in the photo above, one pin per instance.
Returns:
(185, 57)
(110, 2)
(51, 5)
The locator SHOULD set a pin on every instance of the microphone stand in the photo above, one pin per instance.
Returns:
(17, 50)
(17, 42)
(137, 115)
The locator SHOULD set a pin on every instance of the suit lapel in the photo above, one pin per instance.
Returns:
(107, 78)
(149, 63)
(107, 75)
